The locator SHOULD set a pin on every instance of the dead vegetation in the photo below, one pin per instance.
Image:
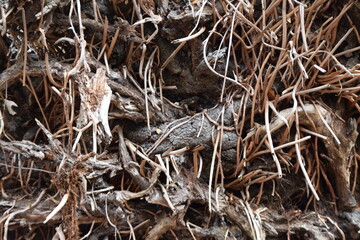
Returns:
(179, 119)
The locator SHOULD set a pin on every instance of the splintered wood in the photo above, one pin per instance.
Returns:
(95, 97)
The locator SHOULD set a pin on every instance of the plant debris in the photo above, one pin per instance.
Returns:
(150, 119)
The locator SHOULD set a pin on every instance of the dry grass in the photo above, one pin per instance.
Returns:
(281, 63)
